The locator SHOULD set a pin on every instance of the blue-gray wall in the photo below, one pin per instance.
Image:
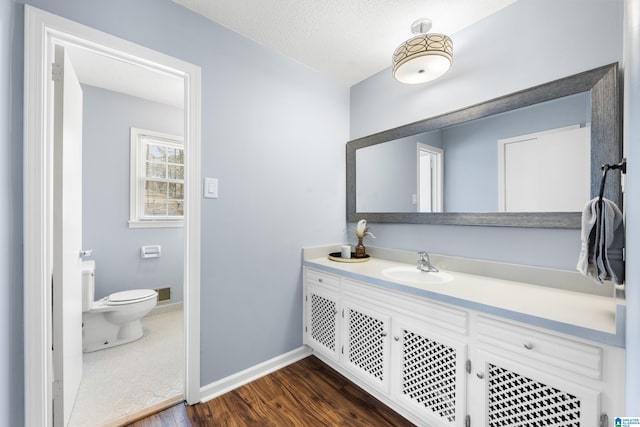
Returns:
(501, 54)
(107, 119)
(11, 312)
(273, 132)
(525, 44)
(387, 173)
(387, 176)
(471, 149)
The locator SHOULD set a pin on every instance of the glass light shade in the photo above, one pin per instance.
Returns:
(422, 58)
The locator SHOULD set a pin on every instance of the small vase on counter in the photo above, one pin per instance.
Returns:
(360, 251)
(361, 231)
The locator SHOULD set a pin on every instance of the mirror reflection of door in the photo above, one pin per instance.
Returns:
(385, 173)
(429, 178)
(545, 171)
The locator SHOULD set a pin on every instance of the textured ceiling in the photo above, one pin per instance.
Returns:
(102, 71)
(348, 40)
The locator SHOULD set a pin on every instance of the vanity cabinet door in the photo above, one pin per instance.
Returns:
(428, 371)
(516, 393)
(321, 327)
(365, 352)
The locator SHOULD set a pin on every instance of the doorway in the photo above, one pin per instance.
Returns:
(44, 31)
(430, 171)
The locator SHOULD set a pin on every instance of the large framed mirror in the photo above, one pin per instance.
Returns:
(528, 159)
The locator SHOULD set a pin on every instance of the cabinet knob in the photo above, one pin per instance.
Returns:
(528, 345)
(320, 280)
(384, 334)
(480, 375)
(396, 338)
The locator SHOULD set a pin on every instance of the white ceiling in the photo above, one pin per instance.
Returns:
(348, 40)
(95, 69)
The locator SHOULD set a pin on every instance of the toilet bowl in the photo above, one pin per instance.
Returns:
(115, 319)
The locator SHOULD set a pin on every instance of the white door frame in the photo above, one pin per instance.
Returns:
(42, 31)
(437, 177)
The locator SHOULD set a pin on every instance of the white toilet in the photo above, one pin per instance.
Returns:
(115, 319)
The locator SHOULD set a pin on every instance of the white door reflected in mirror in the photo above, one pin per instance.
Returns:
(429, 178)
(529, 165)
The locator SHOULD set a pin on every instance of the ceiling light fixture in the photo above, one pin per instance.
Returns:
(424, 57)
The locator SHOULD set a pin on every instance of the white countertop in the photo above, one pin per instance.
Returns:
(581, 314)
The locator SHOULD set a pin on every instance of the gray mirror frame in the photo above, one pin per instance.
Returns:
(606, 148)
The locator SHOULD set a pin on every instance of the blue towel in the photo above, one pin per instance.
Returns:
(602, 246)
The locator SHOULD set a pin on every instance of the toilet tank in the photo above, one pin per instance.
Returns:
(88, 283)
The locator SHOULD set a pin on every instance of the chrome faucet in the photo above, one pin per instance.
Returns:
(424, 263)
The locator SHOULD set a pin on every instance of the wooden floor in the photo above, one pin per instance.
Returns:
(306, 393)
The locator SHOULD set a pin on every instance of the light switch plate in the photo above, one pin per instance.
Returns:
(211, 188)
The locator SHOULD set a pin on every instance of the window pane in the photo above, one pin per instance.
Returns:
(175, 207)
(155, 207)
(175, 172)
(156, 170)
(175, 155)
(175, 191)
(155, 190)
(156, 152)
(163, 177)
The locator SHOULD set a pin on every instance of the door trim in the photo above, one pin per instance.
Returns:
(42, 31)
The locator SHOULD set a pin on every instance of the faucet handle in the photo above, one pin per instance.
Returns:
(423, 255)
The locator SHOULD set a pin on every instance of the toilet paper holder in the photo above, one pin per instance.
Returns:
(150, 251)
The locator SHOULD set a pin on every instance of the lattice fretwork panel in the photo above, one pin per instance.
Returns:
(429, 374)
(323, 321)
(366, 343)
(518, 401)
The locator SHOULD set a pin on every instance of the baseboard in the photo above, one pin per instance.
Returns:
(231, 382)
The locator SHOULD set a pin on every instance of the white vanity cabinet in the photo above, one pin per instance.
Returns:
(428, 373)
(521, 373)
(515, 393)
(438, 364)
(322, 305)
(365, 352)
(391, 345)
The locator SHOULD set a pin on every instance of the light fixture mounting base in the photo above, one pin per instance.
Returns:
(421, 26)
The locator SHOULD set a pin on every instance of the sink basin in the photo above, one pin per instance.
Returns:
(413, 275)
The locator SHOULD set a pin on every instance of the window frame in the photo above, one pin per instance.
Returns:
(137, 219)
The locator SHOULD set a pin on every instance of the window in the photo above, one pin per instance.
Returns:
(157, 179)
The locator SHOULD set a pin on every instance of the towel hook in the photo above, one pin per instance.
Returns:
(606, 168)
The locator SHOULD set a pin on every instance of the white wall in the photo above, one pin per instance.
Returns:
(527, 43)
(108, 118)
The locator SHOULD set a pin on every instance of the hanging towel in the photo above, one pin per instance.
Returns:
(602, 246)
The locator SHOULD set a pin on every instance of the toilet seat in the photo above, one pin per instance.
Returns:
(131, 296)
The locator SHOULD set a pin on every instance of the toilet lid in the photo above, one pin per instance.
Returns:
(132, 295)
